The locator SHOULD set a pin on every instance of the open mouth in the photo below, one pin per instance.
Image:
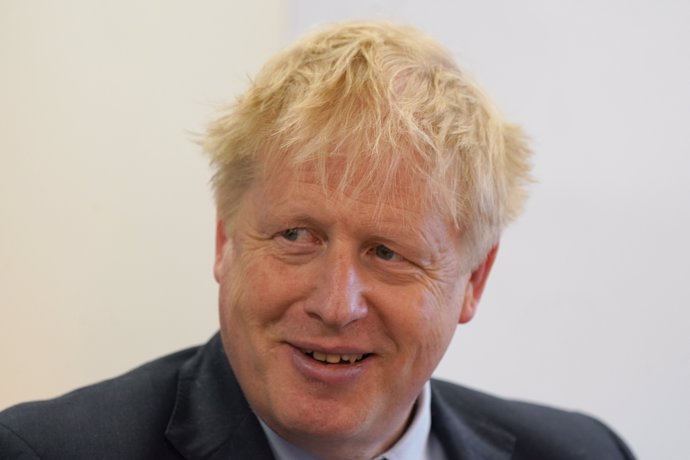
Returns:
(335, 359)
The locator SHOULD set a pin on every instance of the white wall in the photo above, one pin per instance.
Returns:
(106, 219)
(106, 222)
(588, 306)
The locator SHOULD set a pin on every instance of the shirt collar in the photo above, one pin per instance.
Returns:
(413, 445)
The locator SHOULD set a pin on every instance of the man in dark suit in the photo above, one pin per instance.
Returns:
(362, 184)
(190, 406)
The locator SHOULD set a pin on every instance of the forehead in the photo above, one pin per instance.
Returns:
(304, 196)
(348, 183)
(299, 197)
(383, 177)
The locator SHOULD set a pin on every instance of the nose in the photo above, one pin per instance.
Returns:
(338, 298)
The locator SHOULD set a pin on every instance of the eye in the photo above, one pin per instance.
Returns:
(299, 236)
(293, 234)
(296, 245)
(385, 253)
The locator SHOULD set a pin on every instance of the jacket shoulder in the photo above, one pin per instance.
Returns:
(125, 416)
(539, 432)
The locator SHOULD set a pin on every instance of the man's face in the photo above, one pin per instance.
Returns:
(335, 309)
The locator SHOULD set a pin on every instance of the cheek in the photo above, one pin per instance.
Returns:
(441, 319)
(250, 302)
(434, 323)
(258, 292)
(421, 320)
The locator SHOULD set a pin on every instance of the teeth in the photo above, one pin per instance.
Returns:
(333, 359)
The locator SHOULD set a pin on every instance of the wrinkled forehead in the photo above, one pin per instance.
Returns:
(387, 178)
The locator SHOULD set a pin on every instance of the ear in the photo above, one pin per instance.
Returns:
(475, 286)
(221, 239)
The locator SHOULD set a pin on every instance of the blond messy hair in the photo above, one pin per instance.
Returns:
(382, 99)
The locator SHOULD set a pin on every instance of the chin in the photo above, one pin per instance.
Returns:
(319, 420)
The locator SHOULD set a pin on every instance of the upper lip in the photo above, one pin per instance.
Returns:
(330, 349)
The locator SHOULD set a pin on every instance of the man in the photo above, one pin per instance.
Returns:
(362, 184)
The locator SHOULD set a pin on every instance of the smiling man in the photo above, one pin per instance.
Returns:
(362, 184)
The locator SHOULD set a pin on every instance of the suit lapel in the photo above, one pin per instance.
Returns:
(463, 435)
(212, 419)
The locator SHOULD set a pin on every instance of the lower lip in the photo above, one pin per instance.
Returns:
(331, 374)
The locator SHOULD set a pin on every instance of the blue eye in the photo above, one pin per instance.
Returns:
(385, 253)
(292, 234)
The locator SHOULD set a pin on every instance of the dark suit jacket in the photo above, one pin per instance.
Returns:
(188, 405)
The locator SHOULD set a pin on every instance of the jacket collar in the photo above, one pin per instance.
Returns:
(211, 418)
(463, 434)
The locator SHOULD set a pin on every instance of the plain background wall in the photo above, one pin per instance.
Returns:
(107, 230)
(106, 238)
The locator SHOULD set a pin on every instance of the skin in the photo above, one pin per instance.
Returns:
(306, 267)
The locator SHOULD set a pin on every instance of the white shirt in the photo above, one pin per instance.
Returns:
(417, 443)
